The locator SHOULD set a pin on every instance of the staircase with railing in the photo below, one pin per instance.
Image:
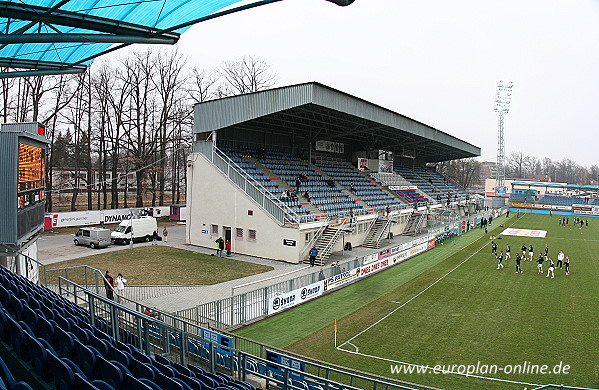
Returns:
(414, 225)
(327, 240)
(379, 230)
(273, 206)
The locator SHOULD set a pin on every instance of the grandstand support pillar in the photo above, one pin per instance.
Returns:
(144, 341)
(183, 349)
(286, 380)
(212, 357)
(165, 340)
(243, 366)
(92, 309)
(114, 322)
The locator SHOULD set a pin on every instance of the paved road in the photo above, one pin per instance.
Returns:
(55, 247)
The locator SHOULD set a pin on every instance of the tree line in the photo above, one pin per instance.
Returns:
(468, 172)
(125, 125)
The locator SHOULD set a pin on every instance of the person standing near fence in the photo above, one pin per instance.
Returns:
(120, 283)
(109, 285)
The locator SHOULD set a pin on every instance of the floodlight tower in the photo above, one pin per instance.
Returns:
(503, 97)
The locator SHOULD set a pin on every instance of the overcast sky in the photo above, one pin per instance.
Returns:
(436, 61)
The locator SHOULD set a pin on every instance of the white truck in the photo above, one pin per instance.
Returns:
(143, 228)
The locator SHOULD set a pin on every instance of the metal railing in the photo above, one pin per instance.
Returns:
(276, 208)
(185, 343)
(306, 249)
(326, 251)
(241, 309)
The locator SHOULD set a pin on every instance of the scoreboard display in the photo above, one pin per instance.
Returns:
(31, 172)
(23, 169)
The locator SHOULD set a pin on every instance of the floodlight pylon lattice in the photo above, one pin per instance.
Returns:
(503, 97)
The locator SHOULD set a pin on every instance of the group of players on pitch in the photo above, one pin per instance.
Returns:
(562, 260)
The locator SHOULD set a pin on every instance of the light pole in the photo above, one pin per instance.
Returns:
(503, 97)
(131, 228)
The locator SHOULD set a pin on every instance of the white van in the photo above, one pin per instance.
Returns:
(143, 228)
(93, 236)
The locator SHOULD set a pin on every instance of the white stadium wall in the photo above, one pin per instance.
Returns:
(214, 200)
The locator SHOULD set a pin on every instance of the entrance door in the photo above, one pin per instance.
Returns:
(227, 233)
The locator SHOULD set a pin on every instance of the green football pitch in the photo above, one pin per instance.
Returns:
(451, 312)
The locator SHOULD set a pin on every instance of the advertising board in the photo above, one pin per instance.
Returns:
(295, 297)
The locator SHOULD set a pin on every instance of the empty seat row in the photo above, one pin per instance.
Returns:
(73, 354)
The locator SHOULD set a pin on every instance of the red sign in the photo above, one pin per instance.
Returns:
(431, 244)
(41, 130)
(373, 267)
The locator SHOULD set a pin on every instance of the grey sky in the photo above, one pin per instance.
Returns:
(436, 61)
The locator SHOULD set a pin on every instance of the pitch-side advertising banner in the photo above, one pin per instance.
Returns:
(387, 258)
(540, 206)
(96, 217)
(295, 297)
(585, 209)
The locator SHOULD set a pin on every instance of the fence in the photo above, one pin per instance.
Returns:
(188, 343)
(246, 307)
(242, 308)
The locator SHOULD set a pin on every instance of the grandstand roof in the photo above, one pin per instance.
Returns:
(323, 113)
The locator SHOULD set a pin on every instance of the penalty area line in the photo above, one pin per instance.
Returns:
(420, 293)
(427, 368)
(411, 299)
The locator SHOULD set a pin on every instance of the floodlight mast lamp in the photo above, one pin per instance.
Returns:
(503, 97)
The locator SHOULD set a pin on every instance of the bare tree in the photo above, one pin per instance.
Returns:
(202, 85)
(465, 172)
(140, 136)
(168, 81)
(250, 74)
(519, 164)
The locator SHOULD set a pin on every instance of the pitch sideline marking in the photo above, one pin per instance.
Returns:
(421, 292)
(412, 364)
(415, 296)
(444, 371)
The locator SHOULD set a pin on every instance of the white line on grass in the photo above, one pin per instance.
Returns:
(356, 352)
(414, 297)
(420, 293)
(444, 371)
(357, 349)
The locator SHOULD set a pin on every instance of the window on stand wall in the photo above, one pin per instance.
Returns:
(239, 233)
(214, 230)
(251, 235)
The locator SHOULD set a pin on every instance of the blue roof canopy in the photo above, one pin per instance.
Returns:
(63, 36)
